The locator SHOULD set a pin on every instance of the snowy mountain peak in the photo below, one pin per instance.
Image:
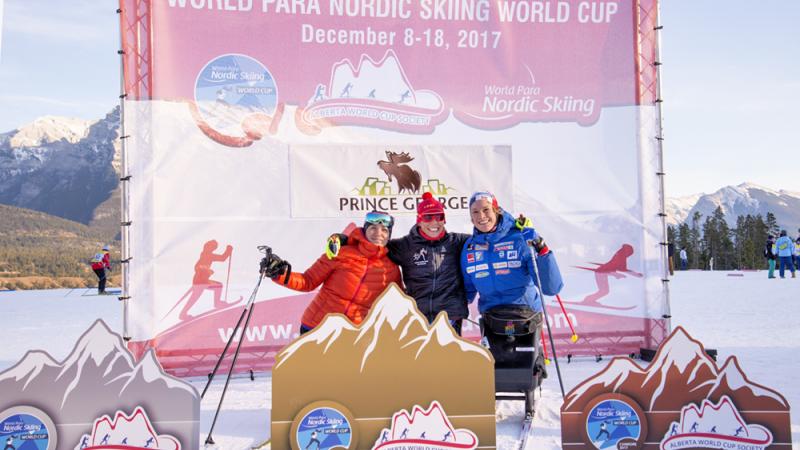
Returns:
(48, 129)
(29, 367)
(679, 351)
(392, 308)
(97, 344)
(734, 201)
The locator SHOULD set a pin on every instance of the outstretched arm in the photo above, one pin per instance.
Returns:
(310, 279)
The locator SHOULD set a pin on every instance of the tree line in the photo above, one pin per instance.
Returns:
(739, 248)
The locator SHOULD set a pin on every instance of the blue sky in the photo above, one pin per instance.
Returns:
(731, 82)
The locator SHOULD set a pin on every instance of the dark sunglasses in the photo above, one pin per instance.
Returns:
(432, 217)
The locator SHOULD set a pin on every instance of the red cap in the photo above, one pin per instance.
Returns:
(428, 206)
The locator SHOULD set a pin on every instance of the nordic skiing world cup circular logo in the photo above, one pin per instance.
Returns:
(323, 425)
(236, 97)
(615, 422)
(26, 427)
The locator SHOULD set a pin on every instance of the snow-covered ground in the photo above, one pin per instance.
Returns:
(748, 316)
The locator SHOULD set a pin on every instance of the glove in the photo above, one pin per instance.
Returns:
(523, 222)
(273, 266)
(335, 242)
(537, 243)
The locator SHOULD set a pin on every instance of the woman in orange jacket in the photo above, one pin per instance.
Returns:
(352, 281)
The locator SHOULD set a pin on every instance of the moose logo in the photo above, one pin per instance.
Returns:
(407, 178)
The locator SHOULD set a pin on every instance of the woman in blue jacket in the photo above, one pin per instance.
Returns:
(497, 260)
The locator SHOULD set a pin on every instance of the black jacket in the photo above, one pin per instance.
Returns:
(768, 253)
(432, 272)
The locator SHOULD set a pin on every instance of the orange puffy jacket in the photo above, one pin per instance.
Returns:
(350, 282)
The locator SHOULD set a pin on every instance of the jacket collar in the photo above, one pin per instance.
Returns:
(365, 247)
(505, 222)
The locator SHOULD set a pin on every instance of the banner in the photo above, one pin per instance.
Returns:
(278, 123)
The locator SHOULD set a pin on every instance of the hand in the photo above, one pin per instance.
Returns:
(523, 222)
(537, 243)
(272, 266)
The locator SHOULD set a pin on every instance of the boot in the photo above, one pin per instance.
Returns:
(793, 275)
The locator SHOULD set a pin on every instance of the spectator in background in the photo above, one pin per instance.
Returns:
(100, 263)
(785, 248)
(684, 259)
(797, 253)
(769, 253)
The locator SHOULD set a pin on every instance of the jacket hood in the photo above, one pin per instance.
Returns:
(366, 247)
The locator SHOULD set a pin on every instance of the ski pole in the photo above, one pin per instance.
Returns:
(546, 321)
(574, 337)
(249, 308)
(544, 350)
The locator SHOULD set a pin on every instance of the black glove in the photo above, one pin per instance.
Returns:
(538, 244)
(272, 266)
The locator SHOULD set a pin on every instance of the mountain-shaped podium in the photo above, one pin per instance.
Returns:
(98, 377)
(680, 373)
(392, 361)
(682, 395)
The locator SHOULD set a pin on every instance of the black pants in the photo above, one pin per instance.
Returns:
(101, 275)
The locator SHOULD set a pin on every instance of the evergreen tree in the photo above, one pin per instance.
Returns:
(772, 225)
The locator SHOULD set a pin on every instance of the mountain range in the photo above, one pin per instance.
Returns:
(64, 167)
(743, 199)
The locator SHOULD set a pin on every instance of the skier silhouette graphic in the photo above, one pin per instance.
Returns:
(713, 429)
(346, 90)
(105, 439)
(738, 430)
(385, 436)
(694, 428)
(674, 429)
(405, 95)
(422, 436)
(313, 440)
(616, 267)
(404, 434)
(371, 94)
(85, 442)
(320, 93)
(446, 436)
(124, 441)
(202, 280)
(603, 430)
(147, 444)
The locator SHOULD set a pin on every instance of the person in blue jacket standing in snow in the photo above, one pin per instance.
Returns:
(497, 260)
(785, 248)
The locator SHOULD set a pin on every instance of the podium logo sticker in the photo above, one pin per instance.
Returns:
(615, 423)
(717, 426)
(324, 426)
(25, 427)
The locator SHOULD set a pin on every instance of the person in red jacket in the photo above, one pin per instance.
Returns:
(352, 281)
(100, 263)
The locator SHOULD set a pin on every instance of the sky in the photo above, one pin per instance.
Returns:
(730, 82)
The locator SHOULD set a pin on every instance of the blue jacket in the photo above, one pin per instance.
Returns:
(499, 267)
(785, 246)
